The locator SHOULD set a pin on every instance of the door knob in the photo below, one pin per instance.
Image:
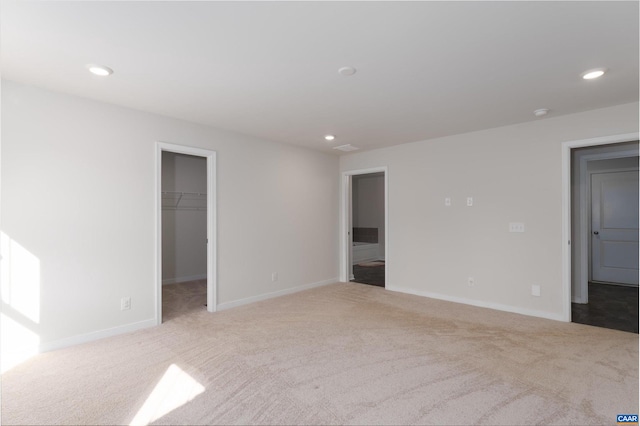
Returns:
(595, 233)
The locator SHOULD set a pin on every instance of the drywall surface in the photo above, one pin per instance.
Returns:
(78, 198)
(514, 175)
(184, 218)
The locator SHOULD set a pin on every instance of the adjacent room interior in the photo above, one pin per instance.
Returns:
(368, 228)
(182, 185)
(184, 234)
(605, 235)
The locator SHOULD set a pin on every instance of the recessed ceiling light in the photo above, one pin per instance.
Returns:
(329, 137)
(540, 112)
(347, 71)
(99, 70)
(595, 73)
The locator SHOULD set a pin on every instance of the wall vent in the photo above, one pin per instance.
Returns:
(347, 147)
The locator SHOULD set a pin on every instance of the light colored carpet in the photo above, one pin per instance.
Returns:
(183, 298)
(339, 354)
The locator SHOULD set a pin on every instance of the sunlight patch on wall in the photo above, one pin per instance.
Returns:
(18, 343)
(20, 294)
(20, 279)
(175, 389)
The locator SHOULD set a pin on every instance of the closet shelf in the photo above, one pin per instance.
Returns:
(173, 200)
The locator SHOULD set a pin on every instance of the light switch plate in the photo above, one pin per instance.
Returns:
(125, 303)
(447, 202)
(516, 227)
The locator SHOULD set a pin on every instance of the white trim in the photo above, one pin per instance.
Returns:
(96, 335)
(345, 236)
(566, 208)
(479, 303)
(212, 271)
(345, 219)
(183, 279)
(253, 299)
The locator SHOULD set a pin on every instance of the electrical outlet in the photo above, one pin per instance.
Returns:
(447, 202)
(535, 290)
(469, 201)
(471, 281)
(125, 303)
(274, 277)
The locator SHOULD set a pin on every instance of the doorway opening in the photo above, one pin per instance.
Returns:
(604, 235)
(365, 226)
(185, 233)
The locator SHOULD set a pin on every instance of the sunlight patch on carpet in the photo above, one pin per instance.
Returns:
(175, 389)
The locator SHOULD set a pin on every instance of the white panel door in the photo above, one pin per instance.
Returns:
(614, 227)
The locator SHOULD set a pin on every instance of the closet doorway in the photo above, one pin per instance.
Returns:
(185, 231)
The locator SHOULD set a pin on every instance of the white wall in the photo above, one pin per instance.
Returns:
(513, 174)
(78, 196)
(184, 229)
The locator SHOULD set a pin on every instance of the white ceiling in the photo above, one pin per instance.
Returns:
(269, 69)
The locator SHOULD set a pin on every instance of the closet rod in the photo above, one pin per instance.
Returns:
(184, 208)
(182, 193)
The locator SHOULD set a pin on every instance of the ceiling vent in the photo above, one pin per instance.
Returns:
(348, 147)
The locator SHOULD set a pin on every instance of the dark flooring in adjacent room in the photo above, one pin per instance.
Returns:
(372, 275)
(610, 306)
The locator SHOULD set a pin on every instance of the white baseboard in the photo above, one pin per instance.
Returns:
(184, 279)
(101, 334)
(479, 303)
(253, 299)
(89, 337)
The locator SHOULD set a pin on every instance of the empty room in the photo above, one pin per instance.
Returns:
(319, 212)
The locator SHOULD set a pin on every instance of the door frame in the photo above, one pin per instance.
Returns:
(346, 220)
(212, 275)
(566, 148)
